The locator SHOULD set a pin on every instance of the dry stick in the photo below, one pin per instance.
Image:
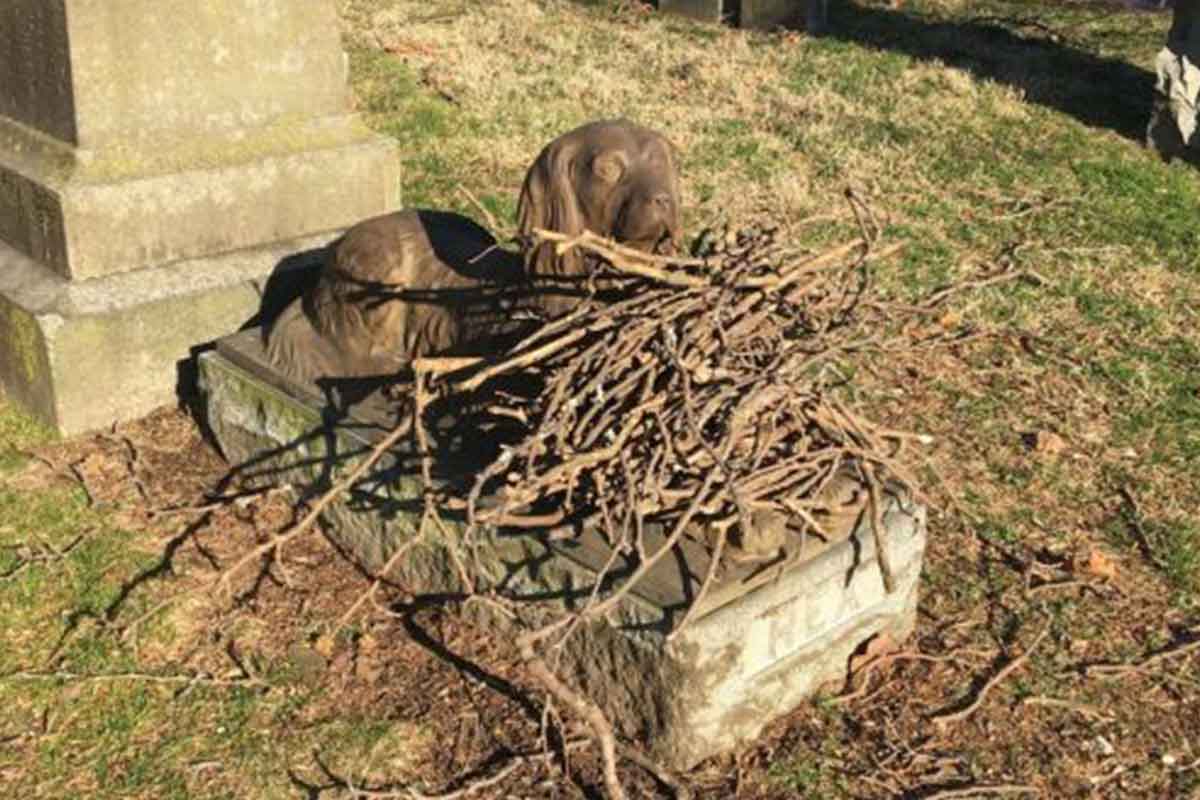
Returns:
(676, 534)
(564, 243)
(445, 364)
(470, 789)
(869, 668)
(523, 360)
(882, 556)
(420, 401)
(638, 263)
(1002, 277)
(315, 512)
(208, 680)
(1139, 530)
(492, 222)
(369, 595)
(1055, 702)
(222, 501)
(723, 534)
(586, 710)
(983, 789)
(709, 579)
(682, 792)
(1125, 669)
(818, 262)
(1009, 668)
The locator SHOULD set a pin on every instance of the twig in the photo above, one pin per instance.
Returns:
(882, 555)
(49, 554)
(27, 675)
(1134, 517)
(1149, 661)
(468, 789)
(83, 484)
(866, 670)
(369, 595)
(664, 776)
(223, 501)
(279, 539)
(942, 720)
(581, 706)
(981, 790)
(1054, 702)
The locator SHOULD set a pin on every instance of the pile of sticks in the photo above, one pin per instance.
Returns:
(692, 393)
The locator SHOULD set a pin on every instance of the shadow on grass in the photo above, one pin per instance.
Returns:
(1098, 91)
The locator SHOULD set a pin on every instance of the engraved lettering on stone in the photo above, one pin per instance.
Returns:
(12, 221)
(48, 244)
(35, 67)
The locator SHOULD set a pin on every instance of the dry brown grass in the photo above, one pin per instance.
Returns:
(978, 143)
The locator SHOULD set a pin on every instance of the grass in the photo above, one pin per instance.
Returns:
(981, 138)
(120, 731)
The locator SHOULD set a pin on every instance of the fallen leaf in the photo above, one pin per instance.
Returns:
(1101, 566)
(1046, 442)
(324, 645)
(877, 646)
(950, 320)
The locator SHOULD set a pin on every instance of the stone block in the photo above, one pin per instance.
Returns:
(97, 73)
(1173, 121)
(703, 10)
(157, 157)
(83, 355)
(764, 640)
(768, 14)
(138, 132)
(118, 215)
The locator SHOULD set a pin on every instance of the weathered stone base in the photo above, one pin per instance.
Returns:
(124, 211)
(754, 14)
(1172, 131)
(763, 641)
(81, 355)
(703, 10)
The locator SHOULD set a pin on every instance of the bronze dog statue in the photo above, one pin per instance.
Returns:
(614, 178)
(420, 283)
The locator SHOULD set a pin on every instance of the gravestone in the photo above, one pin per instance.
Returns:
(1172, 130)
(765, 637)
(159, 159)
(754, 14)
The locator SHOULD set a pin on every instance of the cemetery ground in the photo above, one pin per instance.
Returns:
(1057, 651)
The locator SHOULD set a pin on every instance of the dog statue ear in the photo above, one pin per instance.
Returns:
(548, 201)
(675, 224)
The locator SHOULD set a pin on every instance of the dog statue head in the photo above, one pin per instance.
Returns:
(612, 177)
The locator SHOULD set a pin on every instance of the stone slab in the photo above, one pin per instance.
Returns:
(82, 355)
(765, 639)
(35, 67)
(111, 216)
(768, 14)
(1174, 118)
(703, 10)
(96, 72)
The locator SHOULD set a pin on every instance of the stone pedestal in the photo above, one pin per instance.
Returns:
(150, 150)
(754, 14)
(1172, 130)
(766, 637)
(703, 10)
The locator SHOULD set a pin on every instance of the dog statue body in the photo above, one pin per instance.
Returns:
(419, 283)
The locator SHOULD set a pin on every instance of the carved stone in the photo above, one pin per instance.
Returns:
(1173, 122)
(764, 640)
(415, 284)
(142, 135)
(755, 14)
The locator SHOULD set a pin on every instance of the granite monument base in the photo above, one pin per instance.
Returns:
(766, 637)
